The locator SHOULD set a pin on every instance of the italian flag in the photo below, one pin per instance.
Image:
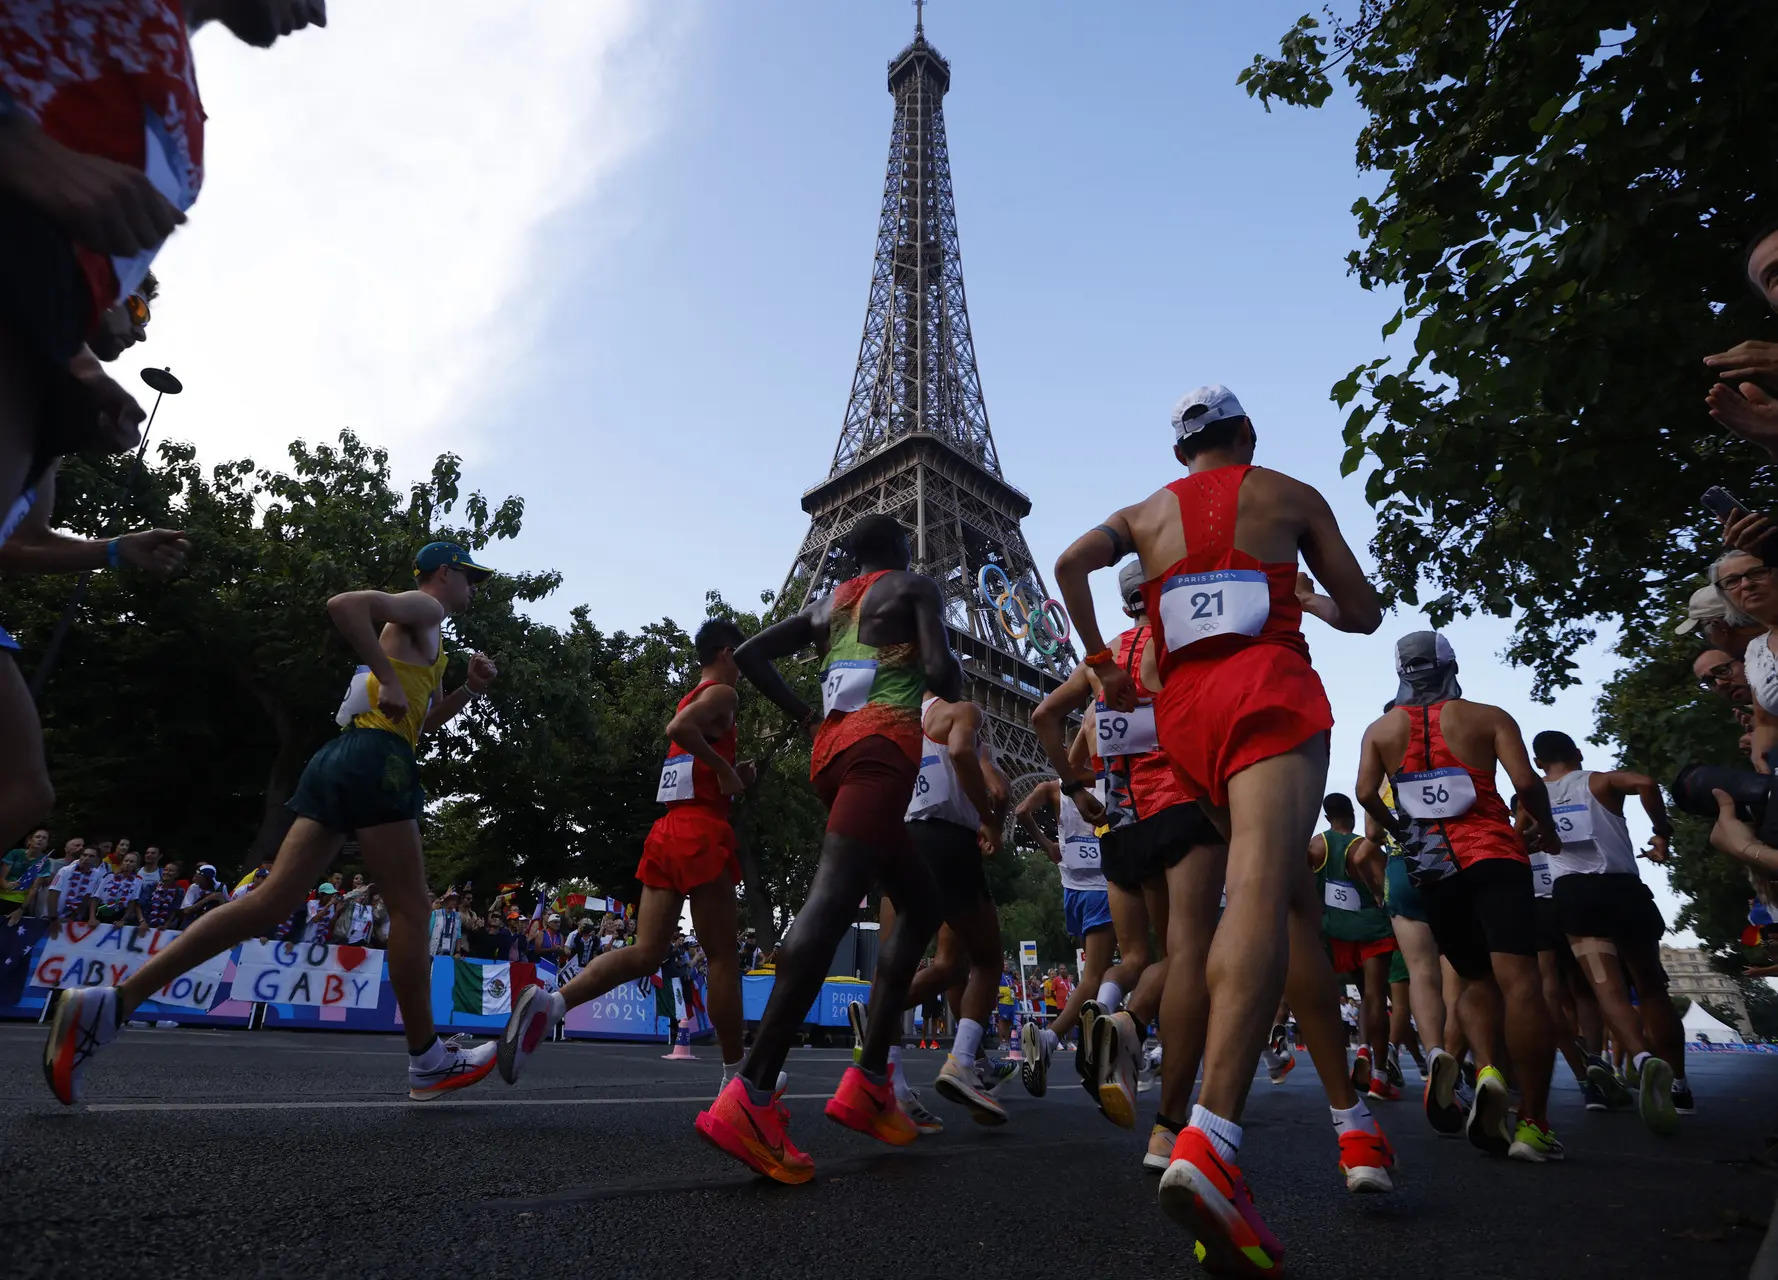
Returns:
(488, 988)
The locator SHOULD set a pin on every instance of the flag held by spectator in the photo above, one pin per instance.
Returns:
(485, 989)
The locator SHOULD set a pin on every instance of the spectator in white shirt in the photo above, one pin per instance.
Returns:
(71, 893)
(205, 894)
(150, 872)
(447, 926)
(117, 889)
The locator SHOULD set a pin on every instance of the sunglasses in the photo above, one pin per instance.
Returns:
(137, 306)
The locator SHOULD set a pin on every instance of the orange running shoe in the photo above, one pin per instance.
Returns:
(757, 1136)
(1366, 1159)
(871, 1108)
(1381, 1088)
(1207, 1195)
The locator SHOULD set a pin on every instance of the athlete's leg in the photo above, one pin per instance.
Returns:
(307, 850)
(1400, 1011)
(1375, 1008)
(393, 860)
(1661, 1024)
(1145, 1001)
(907, 881)
(1561, 1007)
(844, 875)
(1314, 995)
(1129, 922)
(1193, 884)
(1598, 959)
(25, 793)
(949, 965)
(1457, 1039)
(1098, 946)
(1527, 1027)
(1589, 1022)
(714, 916)
(1273, 807)
(657, 915)
(978, 938)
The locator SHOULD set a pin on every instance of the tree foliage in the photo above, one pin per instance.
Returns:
(1565, 192)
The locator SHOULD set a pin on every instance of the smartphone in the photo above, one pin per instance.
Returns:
(1720, 503)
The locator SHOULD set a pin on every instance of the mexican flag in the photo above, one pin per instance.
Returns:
(488, 988)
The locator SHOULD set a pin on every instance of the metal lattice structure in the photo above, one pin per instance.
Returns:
(916, 442)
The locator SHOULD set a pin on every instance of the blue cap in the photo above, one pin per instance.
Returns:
(436, 555)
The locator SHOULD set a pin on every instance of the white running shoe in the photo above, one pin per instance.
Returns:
(1034, 1071)
(1119, 1068)
(85, 1021)
(965, 1087)
(461, 1068)
(535, 1012)
(916, 1111)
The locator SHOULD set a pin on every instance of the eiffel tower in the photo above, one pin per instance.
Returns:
(916, 442)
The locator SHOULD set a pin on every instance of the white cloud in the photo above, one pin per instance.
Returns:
(366, 248)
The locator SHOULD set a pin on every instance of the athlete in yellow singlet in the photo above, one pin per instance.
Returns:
(364, 783)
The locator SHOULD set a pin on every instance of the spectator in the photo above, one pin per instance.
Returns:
(105, 848)
(329, 902)
(507, 938)
(72, 892)
(1717, 623)
(13, 885)
(361, 920)
(119, 889)
(546, 938)
(258, 873)
(1746, 582)
(582, 945)
(157, 906)
(118, 854)
(42, 874)
(150, 871)
(379, 929)
(1722, 673)
(204, 895)
(446, 926)
(750, 953)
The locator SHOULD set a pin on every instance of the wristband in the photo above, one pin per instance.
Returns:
(1105, 657)
(111, 555)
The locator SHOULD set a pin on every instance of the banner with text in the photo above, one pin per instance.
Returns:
(311, 973)
(96, 955)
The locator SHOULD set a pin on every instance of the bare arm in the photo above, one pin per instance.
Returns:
(1094, 549)
(1043, 796)
(360, 617)
(708, 716)
(1080, 750)
(1051, 716)
(1369, 788)
(1317, 852)
(36, 548)
(1509, 748)
(963, 742)
(481, 674)
(944, 674)
(1352, 603)
(1622, 782)
(1366, 860)
(756, 656)
(1765, 738)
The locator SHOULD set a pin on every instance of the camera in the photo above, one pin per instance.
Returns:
(1752, 793)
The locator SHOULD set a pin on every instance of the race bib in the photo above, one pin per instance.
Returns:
(933, 786)
(1080, 853)
(1543, 881)
(1227, 602)
(1124, 733)
(357, 699)
(1574, 822)
(846, 685)
(1435, 793)
(676, 780)
(1341, 895)
(162, 169)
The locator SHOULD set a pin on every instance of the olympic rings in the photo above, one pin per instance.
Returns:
(990, 593)
(1007, 605)
(1039, 621)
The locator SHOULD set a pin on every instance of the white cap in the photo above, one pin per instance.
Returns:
(1204, 407)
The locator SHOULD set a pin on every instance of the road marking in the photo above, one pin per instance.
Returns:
(384, 1104)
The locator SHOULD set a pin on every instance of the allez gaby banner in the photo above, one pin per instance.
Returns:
(309, 973)
(94, 955)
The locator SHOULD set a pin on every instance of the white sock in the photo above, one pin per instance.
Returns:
(898, 1073)
(1640, 1058)
(1224, 1135)
(1050, 1040)
(1356, 1117)
(1110, 995)
(968, 1042)
(431, 1058)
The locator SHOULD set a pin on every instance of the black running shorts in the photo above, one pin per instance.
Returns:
(1143, 851)
(951, 857)
(1617, 906)
(1484, 909)
(363, 778)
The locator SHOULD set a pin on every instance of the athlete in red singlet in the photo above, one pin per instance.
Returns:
(1245, 721)
(689, 853)
(1439, 752)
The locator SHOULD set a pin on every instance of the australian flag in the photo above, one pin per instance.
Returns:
(16, 942)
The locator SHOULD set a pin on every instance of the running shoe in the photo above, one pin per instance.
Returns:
(855, 1014)
(1383, 1089)
(1207, 1195)
(1533, 1142)
(1595, 1099)
(1361, 1069)
(757, 1136)
(1279, 1056)
(1392, 1069)
(1682, 1099)
(1487, 1116)
(1442, 1110)
(1119, 1062)
(84, 1022)
(1654, 1096)
(1469, 1072)
(1160, 1149)
(1365, 1160)
(1091, 1014)
(533, 1014)
(965, 1087)
(462, 1066)
(916, 1111)
(871, 1108)
(994, 1072)
(1035, 1069)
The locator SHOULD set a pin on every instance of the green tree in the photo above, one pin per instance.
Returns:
(1565, 192)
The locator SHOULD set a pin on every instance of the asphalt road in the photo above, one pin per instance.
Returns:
(225, 1153)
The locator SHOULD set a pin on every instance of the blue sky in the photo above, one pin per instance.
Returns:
(617, 257)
